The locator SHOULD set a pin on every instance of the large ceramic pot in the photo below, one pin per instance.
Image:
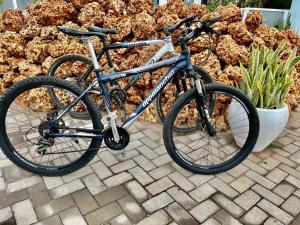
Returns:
(272, 123)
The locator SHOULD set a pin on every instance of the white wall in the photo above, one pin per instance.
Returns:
(295, 15)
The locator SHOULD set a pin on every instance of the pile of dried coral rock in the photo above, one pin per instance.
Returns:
(30, 42)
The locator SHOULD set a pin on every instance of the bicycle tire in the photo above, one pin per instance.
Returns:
(239, 157)
(8, 98)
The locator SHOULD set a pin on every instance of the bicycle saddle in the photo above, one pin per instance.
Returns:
(102, 30)
(74, 32)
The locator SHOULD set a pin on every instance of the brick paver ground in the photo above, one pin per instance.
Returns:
(146, 187)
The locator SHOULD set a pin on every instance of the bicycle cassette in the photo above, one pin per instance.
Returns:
(110, 142)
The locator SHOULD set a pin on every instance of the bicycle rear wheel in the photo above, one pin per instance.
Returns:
(26, 112)
(236, 128)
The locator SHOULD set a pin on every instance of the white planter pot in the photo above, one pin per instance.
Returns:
(272, 123)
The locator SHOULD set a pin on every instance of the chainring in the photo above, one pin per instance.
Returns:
(110, 142)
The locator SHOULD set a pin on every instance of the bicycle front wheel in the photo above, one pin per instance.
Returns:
(27, 117)
(170, 93)
(235, 123)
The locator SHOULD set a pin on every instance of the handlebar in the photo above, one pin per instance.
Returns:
(171, 28)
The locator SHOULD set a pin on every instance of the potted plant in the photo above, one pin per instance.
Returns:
(266, 81)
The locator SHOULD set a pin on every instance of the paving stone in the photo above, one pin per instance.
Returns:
(284, 189)
(285, 140)
(157, 202)
(108, 158)
(23, 183)
(272, 221)
(39, 198)
(203, 192)
(120, 167)
(274, 211)
(225, 177)
(225, 218)
(2, 184)
(53, 182)
(242, 184)
(297, 193)
(181, 170)
(290, 170)
(104, 214)
(126, 155)
(258, 156)
(255, 216)
(147, 152)
(132, 209)
(12, 173)
(120, 220)
(54, 207)
(145, 163)
(161, 171)
(260, 179)
(136, 135)
(139, 174)
(66, 189)
(77, 174)
(72, 216)
(296, 157)
(84, 201)
(291, 148)
(182, 198)
(181, 216)
(160, 217)
(162, 160)
(151, 134)
(181, 181)
(117, 179)
(101, 170)
(277, 175)
(292, 205)
(267, 194)
(5, 163)
(284, 160)
(199, 179)
(159, 186)
(223, 187)
(5, 214)
(149, 142)
(24, 213)
(94, 184)
(204, 210)
(160, 150)
(211, 221)
(53, 220)
(11, 198)
(238, 171)
(296, 221)
(269, 163)
(111, 195)
(137, 191)
(133, 144)
(292, 180)
(247, 199)
(255, 167)
(228, 205)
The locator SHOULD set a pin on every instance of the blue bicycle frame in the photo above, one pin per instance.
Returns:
(180, 62)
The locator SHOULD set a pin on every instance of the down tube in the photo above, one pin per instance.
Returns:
(150, 98)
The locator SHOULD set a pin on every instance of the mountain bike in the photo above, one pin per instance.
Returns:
(42, 137)
(181, 81)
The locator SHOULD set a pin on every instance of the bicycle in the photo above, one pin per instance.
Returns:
(41, 137)
(181, 81)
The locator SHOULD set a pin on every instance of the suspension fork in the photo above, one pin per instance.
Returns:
(204, 113)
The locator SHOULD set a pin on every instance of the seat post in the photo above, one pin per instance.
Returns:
(92, 52)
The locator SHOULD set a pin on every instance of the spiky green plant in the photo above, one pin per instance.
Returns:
(268, 79)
